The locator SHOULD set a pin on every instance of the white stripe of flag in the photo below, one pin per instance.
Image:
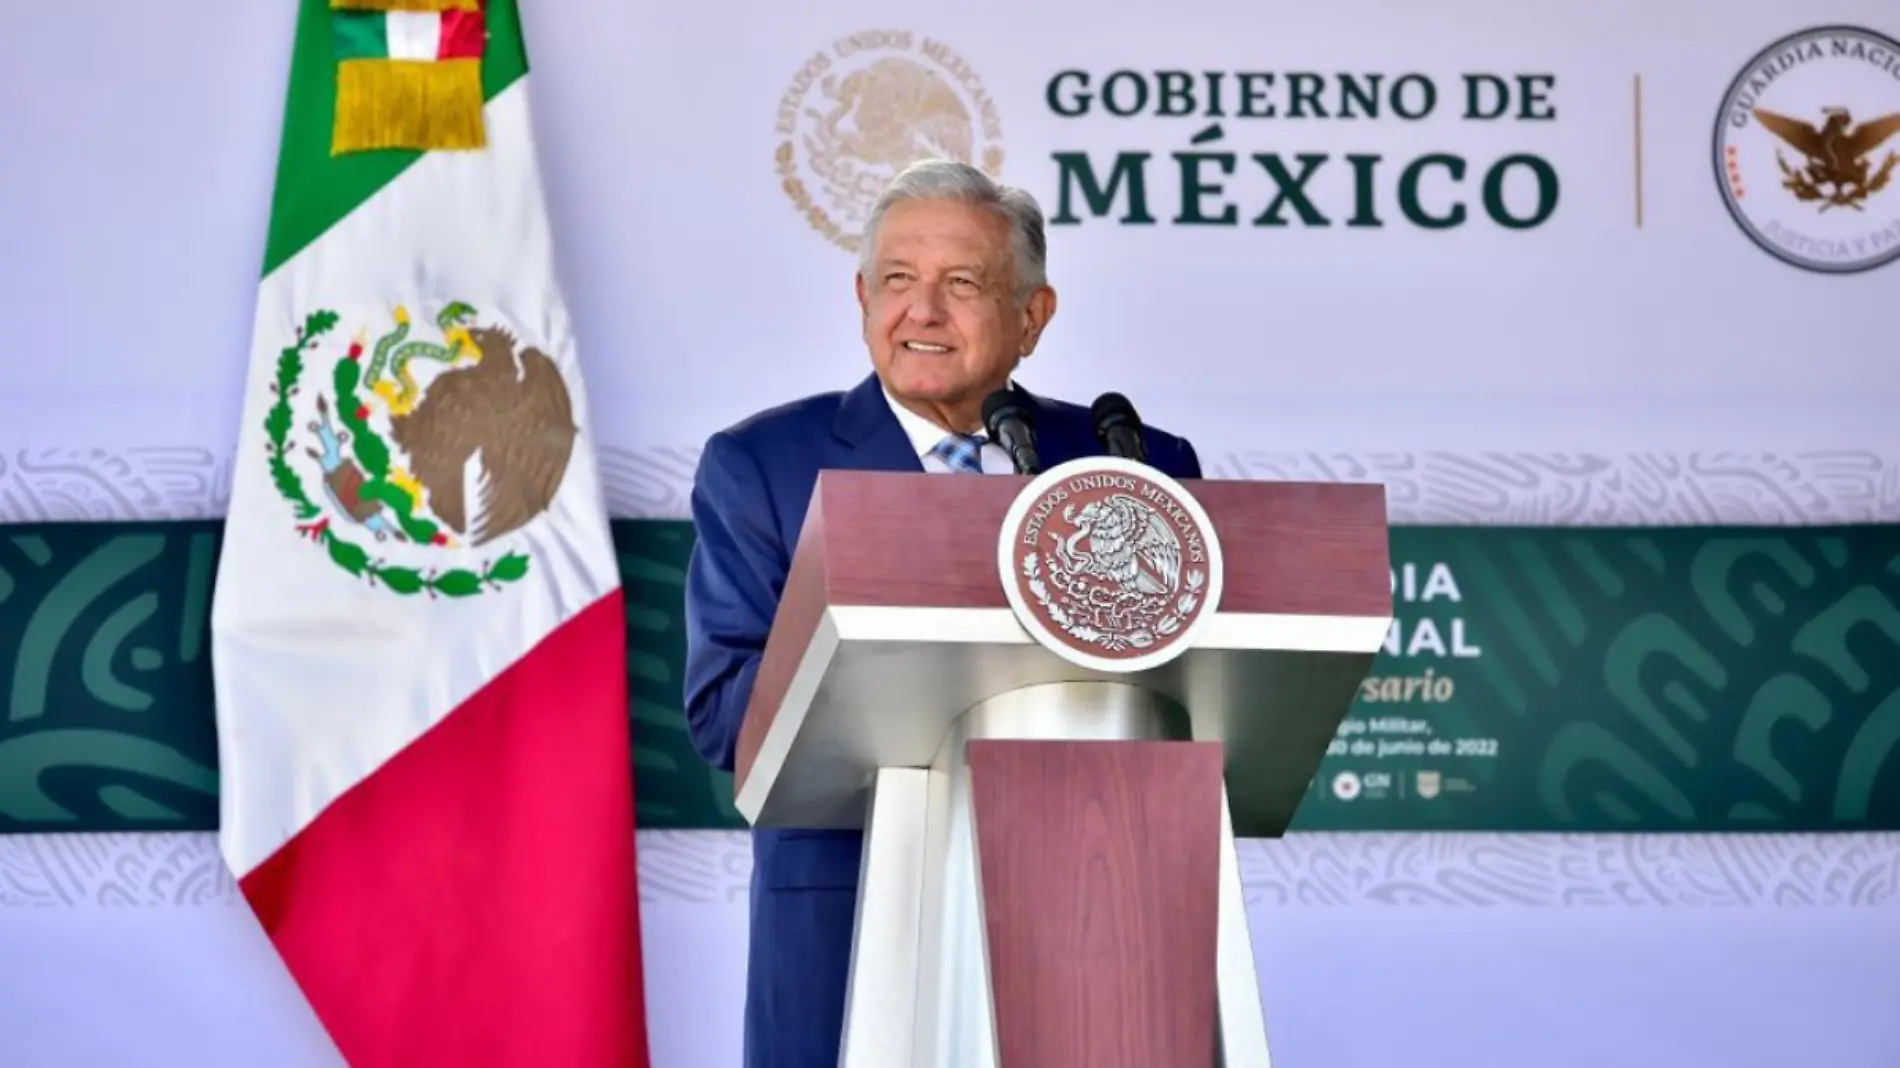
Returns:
(414, 34)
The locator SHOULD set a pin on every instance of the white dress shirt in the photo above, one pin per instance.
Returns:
(924, 436)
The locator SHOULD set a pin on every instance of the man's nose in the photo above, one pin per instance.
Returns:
(926, 305)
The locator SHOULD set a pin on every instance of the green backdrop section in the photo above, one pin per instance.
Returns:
(1537, 679)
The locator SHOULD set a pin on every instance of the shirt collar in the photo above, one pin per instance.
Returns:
(924, 434)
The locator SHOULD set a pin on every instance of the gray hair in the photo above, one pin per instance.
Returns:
(938, 179)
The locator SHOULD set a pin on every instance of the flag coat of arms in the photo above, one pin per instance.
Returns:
(418, 630)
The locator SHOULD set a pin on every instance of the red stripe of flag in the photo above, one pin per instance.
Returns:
(472, 903)
(464, 35)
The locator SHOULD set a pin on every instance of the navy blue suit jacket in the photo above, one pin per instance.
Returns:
(750, 494)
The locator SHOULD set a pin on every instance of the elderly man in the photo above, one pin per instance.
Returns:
(954, 296)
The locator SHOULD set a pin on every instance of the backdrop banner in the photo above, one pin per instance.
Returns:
(1564, 271)
(1601, 293)
(1536, 679)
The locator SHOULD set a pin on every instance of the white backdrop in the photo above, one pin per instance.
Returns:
(1586, 371)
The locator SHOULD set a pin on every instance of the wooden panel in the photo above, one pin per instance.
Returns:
(1100, 866)
(1301, 548)
(929, 541)
(926, 541)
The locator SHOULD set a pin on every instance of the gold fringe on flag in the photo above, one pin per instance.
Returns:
(421, 105)
(406, 5)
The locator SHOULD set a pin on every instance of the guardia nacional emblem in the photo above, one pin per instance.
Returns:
(1110, 564)
(1807, 149)
(411, 459)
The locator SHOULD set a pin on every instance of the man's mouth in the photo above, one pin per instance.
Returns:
(926, 347)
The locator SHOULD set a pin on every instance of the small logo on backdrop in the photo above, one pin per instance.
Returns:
(1429, 783)
(1110, 564)
(412, 460)
(1346, 786)
(866, 107)
(1806, 149)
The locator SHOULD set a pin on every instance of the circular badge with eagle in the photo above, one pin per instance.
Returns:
(1807, 149)
(1110, 564)
(410, 443)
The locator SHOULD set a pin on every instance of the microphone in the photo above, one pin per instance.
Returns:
(1119, 427)
(1012, 424)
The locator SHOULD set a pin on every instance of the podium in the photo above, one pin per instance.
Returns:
(1052, 704)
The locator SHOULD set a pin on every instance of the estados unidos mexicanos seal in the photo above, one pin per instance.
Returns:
(869, 105)
(1110, 564)
(413, 459)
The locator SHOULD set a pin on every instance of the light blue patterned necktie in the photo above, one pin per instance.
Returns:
(963, 452)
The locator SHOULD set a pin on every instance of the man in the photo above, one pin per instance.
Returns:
(953, 293)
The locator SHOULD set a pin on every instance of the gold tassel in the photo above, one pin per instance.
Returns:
(406, 5)
(408, 104)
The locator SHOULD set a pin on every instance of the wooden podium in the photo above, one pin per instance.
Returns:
(1049, 875)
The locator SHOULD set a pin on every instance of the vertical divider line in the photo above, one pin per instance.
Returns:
(1637, 108)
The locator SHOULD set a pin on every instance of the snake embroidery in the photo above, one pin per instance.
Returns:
(392, 355)
(351, 491)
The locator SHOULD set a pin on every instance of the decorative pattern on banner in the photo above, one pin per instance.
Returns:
(714, 868)
(408, 74)
(1536, 680)
(1821, 487)
(1644, 680)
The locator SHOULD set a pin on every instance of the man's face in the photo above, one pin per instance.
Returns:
(940, 314)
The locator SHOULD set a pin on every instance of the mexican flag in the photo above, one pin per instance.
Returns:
(418, 631)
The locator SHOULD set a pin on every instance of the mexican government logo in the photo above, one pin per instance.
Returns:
(869, 105)
(1806, 149)
(1110, 564)
(411, 459)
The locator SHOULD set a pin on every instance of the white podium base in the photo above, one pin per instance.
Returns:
(919, 994)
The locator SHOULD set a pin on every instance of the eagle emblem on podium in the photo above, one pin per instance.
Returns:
(1121, 541)
(1109, 563)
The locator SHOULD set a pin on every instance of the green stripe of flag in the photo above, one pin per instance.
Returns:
(360, 35)
(314, 189)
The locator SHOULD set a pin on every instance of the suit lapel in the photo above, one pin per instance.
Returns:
(869, 434)
(1057, 438)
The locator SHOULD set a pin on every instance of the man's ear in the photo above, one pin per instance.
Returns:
(1037, 311)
